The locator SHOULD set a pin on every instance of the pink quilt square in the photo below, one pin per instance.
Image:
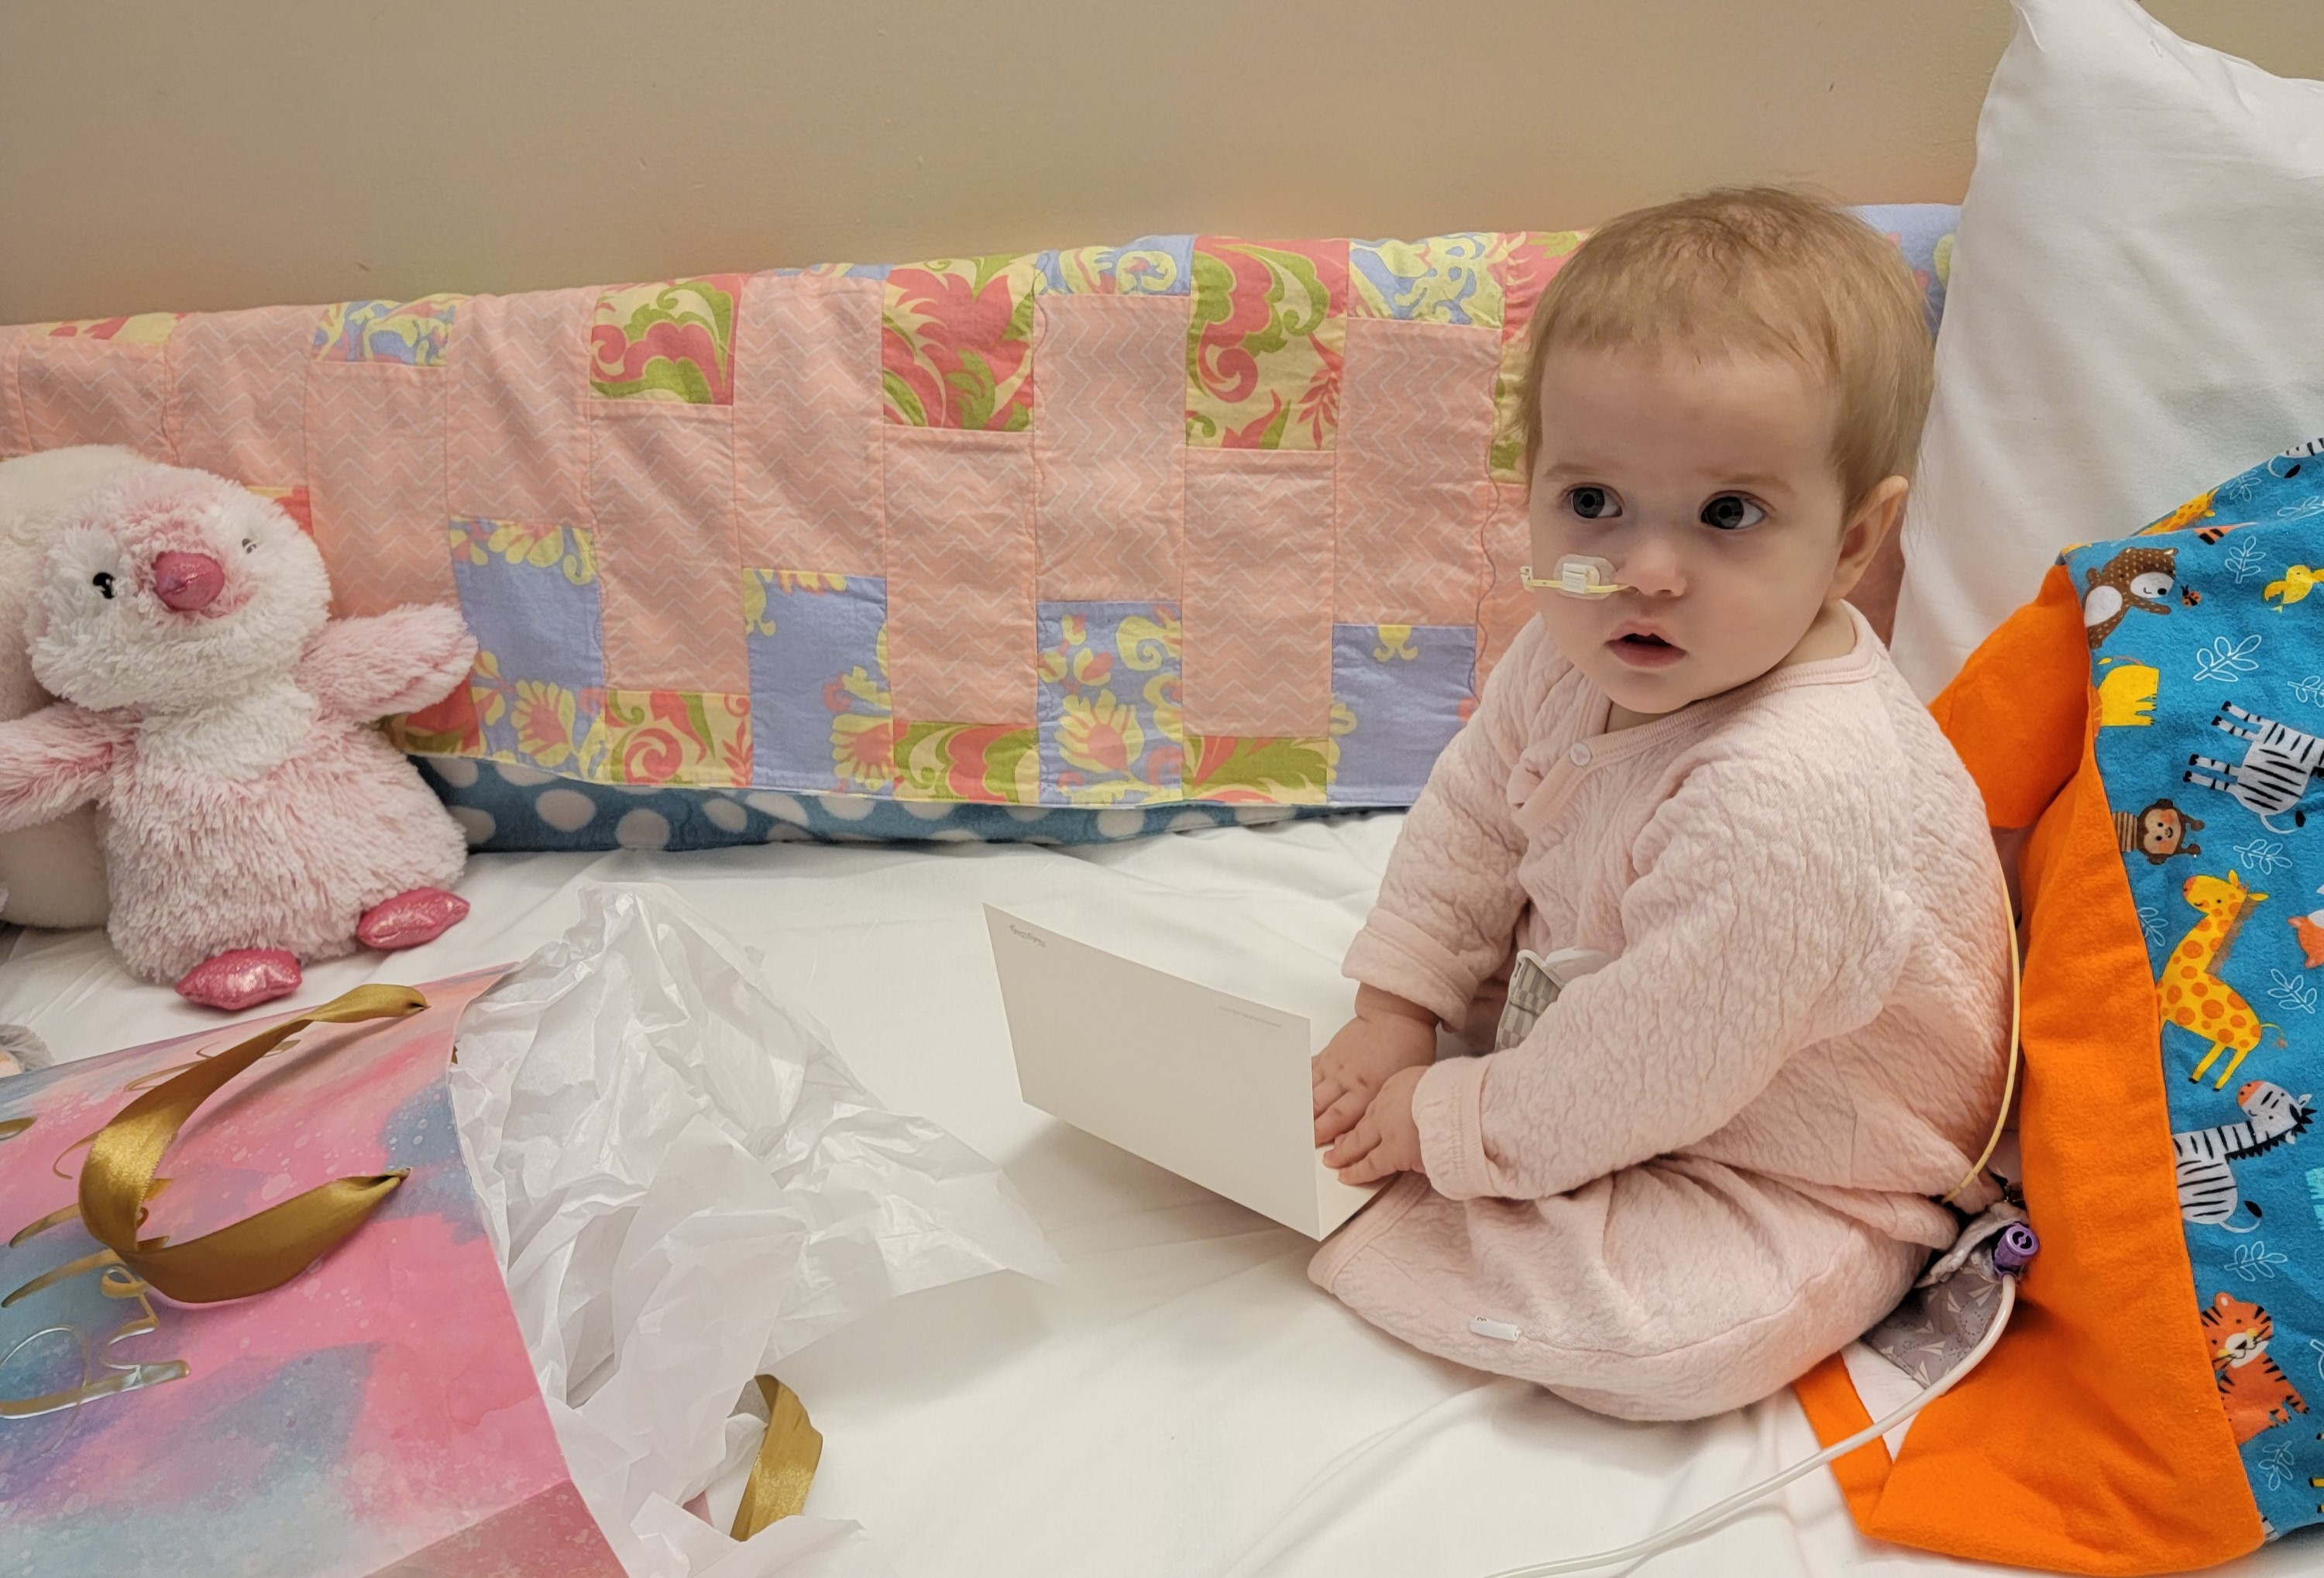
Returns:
(806, 424)
(1258, 605)
(15, 436)
(961, 639)
(1111, 445)
(238, 393)
(1508, 549)
(375, 479)
(661, 489)
(1415, 427)
(519, 368)
(83, 390)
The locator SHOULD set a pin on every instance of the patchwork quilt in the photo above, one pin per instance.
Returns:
(1189, 518)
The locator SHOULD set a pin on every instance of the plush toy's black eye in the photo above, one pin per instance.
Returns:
(248, 546)
(103, 584)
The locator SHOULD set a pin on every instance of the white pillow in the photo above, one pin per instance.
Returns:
(2135, 310)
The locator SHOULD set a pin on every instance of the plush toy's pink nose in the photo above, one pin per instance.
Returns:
(187, 582)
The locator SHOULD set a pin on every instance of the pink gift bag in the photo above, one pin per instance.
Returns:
(289, 1351)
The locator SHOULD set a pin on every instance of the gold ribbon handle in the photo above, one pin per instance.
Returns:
(786, 1465)
(259, 1253)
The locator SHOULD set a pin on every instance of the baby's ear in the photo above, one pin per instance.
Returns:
(1870, 571)
(1884, 503)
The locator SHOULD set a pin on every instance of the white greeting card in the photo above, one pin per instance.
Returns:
(1213, 1086)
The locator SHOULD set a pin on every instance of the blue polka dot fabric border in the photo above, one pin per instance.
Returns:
(506, 808)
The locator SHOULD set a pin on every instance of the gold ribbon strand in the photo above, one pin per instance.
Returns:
(259, 1253)
(786, 1465)
(264, 1251)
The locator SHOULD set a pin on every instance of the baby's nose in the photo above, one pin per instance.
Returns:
(187, 582)
(1651, 568)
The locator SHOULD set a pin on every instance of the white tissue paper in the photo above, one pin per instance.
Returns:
(685, 1184)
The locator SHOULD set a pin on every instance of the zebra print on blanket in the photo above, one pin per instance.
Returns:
(2207, 1196)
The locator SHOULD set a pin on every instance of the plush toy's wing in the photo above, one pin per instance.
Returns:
(55, 760)
(394, 662)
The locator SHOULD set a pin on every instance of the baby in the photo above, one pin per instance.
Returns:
(1714, 1159)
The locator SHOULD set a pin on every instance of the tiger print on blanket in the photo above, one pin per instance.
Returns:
(2252, 1388)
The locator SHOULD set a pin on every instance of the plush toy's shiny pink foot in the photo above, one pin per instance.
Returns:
(240, 979)
(409, 919)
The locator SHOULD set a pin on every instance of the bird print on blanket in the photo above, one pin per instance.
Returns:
(2207, 702)
(2296, 582)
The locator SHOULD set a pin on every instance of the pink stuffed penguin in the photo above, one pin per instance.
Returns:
(221, 721)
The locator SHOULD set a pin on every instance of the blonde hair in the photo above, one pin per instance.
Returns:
(1757, 269)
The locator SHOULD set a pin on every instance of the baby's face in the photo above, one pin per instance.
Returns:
(1710, 487)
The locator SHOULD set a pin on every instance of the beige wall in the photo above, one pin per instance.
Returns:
(231, 152)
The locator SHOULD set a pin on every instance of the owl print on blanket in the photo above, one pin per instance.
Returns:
(2206, 675)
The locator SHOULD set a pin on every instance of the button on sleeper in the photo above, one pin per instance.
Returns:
(1578, 755)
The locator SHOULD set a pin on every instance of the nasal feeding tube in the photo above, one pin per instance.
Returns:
(1579, 574)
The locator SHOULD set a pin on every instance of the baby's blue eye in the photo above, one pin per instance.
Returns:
(1731, 512)
(1592, 502)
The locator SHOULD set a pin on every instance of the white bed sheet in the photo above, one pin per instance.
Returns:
(1185, 1402)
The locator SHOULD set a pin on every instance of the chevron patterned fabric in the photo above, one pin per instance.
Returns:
(1193, 519)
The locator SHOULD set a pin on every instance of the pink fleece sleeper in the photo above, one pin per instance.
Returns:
(1713, 1162)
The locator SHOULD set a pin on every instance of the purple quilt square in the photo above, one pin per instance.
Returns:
(1400, 693)
(820, 718)
(1108, 701)
(529, 592)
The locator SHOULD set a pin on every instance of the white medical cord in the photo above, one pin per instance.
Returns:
(1679, 1533)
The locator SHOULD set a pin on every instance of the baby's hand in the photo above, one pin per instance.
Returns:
(1387, 1034)
(1386, 1141)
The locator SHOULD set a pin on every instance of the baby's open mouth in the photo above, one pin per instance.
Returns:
(1644, 648)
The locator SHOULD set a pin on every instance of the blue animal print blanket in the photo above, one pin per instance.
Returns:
(2206, 652)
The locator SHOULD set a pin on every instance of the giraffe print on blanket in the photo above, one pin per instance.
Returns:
(2190, 993)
